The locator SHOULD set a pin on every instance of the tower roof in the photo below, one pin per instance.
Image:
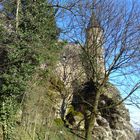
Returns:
(93, 23)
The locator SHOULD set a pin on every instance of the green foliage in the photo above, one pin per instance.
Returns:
(74, 112)
(33, 44)
(38, 28)
(8, 108)
(21, 62)
(24, 49)
(59, 122)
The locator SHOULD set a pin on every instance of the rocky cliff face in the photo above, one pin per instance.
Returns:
(113, 121)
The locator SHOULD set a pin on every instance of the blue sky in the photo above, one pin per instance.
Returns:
(1, 7)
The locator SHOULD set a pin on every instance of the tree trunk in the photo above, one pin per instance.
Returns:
(17, 14)
(91, 121)
(4, 125)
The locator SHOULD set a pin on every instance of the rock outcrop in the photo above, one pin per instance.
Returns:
(112, 122)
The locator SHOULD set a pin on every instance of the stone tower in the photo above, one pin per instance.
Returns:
(94, 42)
(94, 31)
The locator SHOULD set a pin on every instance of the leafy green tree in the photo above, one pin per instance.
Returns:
(29, 42)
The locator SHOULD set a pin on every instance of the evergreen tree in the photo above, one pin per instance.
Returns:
(23, 49)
